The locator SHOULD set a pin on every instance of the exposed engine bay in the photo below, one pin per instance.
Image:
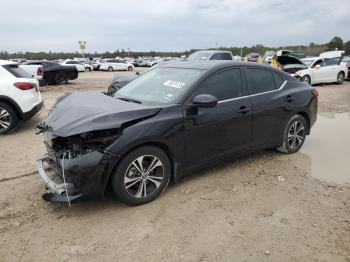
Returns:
(81, 144)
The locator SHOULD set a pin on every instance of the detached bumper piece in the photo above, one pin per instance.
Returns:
(58, 192)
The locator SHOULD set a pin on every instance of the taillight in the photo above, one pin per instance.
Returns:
(24, 85)
(40, 71)
(316, 93)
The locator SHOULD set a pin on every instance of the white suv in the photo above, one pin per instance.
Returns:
(20, 97)
(81, 66)
(115, 64)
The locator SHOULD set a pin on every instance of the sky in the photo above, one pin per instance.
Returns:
(168, 25)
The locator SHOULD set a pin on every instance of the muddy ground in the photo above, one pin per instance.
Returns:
(262, 207)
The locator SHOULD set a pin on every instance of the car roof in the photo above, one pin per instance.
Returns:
(7, 62)
(210, 64)
(213, 51)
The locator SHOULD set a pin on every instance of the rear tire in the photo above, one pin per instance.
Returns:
(130, 68)
(340, 78)
(293, 135)
(110, 69)
(87, 69)
(61, 79)
(135, 182)
(8, 118)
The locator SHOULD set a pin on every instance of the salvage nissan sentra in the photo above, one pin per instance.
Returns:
(166, 123)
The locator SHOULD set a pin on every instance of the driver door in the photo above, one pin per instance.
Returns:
(318, 74)
(211, 133)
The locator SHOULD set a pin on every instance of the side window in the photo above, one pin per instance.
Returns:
(223, 85)
(331, 61)
(47, 64)
(259, 80)
(318, 62)
(278, 79)
(226, 56)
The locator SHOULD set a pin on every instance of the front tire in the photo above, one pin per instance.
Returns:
(340, 78)
(110, 69)
(306, 79)
(87, 69)
(8, 118)
(130, 68)
(293, 135)
(141, 176)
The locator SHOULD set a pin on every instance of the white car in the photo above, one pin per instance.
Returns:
(36, 71)
(322, 70)
(115, 64)
(81, 67)
(20, 97)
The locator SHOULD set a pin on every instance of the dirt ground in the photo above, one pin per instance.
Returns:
(265, 206)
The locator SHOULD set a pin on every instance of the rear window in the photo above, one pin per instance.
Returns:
(278, 79)
(221, 56)
(260, 80)
(16, 71)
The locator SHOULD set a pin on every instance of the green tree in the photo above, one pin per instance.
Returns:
(347, 47)
(335, 44)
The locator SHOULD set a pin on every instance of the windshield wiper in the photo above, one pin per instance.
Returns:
(130, 100)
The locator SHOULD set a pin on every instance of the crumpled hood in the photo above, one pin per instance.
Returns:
(82, 112)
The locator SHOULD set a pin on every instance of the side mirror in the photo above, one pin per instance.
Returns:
(317, 66)
(204, 100)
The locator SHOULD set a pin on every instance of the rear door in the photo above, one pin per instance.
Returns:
(332, 67)
(211, 133)
(271, 105)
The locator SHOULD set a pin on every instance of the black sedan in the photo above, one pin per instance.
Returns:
(168, 122)
(55, 73)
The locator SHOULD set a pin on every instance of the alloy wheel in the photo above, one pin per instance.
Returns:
(296, 135)
(144, 176)
(5, 119)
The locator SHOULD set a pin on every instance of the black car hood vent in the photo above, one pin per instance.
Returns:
(82, 112)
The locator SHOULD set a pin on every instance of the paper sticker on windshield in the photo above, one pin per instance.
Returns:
(172, 83)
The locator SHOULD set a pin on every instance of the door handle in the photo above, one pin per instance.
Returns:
(243, 110)
(289, 98)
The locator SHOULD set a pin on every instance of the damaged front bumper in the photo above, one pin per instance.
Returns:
(84, 176)
(63, 192)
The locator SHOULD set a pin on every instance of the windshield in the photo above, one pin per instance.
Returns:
(160, 85)
(269, 53)
(199, 56)
(308, 62)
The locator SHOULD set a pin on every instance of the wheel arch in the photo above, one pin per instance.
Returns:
(158, 144)
(307, 119)
(343, 72)
(13, 104)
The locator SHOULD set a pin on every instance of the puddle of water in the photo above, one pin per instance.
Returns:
(326, 152)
